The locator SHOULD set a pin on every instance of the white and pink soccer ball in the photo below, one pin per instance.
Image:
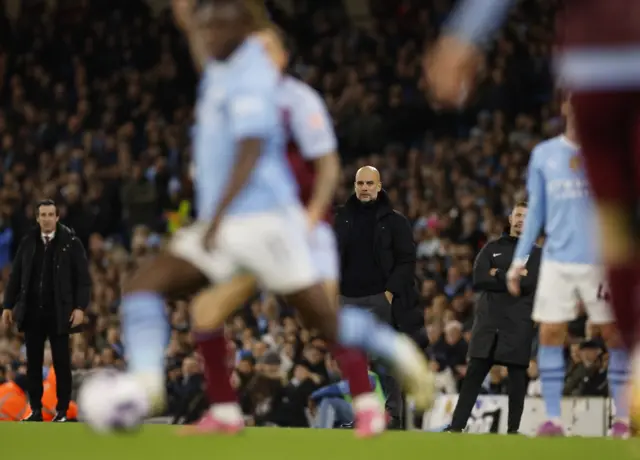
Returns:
(111, 401)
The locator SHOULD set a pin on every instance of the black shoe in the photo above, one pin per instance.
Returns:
(514, 432)
(60, 417)
(34, 416)
(449, 429)
(394, 424)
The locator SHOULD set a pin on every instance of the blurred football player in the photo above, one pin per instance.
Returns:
(249, 217)
(312, 155)
(560, 202)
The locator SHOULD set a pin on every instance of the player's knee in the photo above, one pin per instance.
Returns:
(141, 282)
(611, 336)
(152, 277)
(315, 310)
(198, 310)
(553, 334)
(331, 288)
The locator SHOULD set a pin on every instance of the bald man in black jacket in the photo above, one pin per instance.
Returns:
(377, 264)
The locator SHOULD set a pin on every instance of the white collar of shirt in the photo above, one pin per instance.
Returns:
(570, 143)
(47, 235)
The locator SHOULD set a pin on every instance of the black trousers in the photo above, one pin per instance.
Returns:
(36, 333)
(380, 307)
(477, 371)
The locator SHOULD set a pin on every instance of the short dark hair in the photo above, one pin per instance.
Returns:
(521, 204)
(46, 202)
(241, 4)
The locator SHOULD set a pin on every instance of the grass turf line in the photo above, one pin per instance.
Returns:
(158, 442)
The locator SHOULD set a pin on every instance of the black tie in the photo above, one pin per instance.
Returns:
(47, 240)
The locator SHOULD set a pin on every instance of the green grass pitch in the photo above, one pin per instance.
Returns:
(158, 442)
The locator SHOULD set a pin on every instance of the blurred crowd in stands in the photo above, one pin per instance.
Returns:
(95, 112)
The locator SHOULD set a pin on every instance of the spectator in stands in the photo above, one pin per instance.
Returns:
(14, 404)
(503, 329)
(139, 200)
(535, 386)
(6, 241)
(588, 375)
(330, 406)
(456, 349)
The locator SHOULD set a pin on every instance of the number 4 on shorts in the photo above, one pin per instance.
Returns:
(603, 293)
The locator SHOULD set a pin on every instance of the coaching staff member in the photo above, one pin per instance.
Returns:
(49, 289)
(503, 330)
(377, 263)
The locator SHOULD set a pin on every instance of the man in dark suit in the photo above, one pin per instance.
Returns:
(503, 329)
(377, 264)
(48, 291)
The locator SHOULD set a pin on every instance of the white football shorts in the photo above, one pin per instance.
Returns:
(273, 246)
(324, 251)
(562, 285)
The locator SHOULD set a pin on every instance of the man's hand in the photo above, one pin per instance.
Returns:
(183, 13)
(7, 317)
(451, 69)
(77, 317)
(462, 370)
(516, 271)
(210, 234)
(389, 296)
(493, 271)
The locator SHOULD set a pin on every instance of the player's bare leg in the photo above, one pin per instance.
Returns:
(144, 323)
(211, 307)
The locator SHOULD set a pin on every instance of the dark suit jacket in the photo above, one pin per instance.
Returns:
(72, 287)
(395, 253)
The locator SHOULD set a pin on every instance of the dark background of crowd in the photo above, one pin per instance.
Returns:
(95, 112)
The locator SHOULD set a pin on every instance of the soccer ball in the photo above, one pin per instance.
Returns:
(112, 402)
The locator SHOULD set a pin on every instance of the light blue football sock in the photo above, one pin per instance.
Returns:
(359, 328)
(551, 367)
(145, 332)
(618, 374)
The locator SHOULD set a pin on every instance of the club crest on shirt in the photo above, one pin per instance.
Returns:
(575, 162)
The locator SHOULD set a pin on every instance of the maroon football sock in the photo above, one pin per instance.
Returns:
(624, 281)
(213, 348)
(354, 368)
